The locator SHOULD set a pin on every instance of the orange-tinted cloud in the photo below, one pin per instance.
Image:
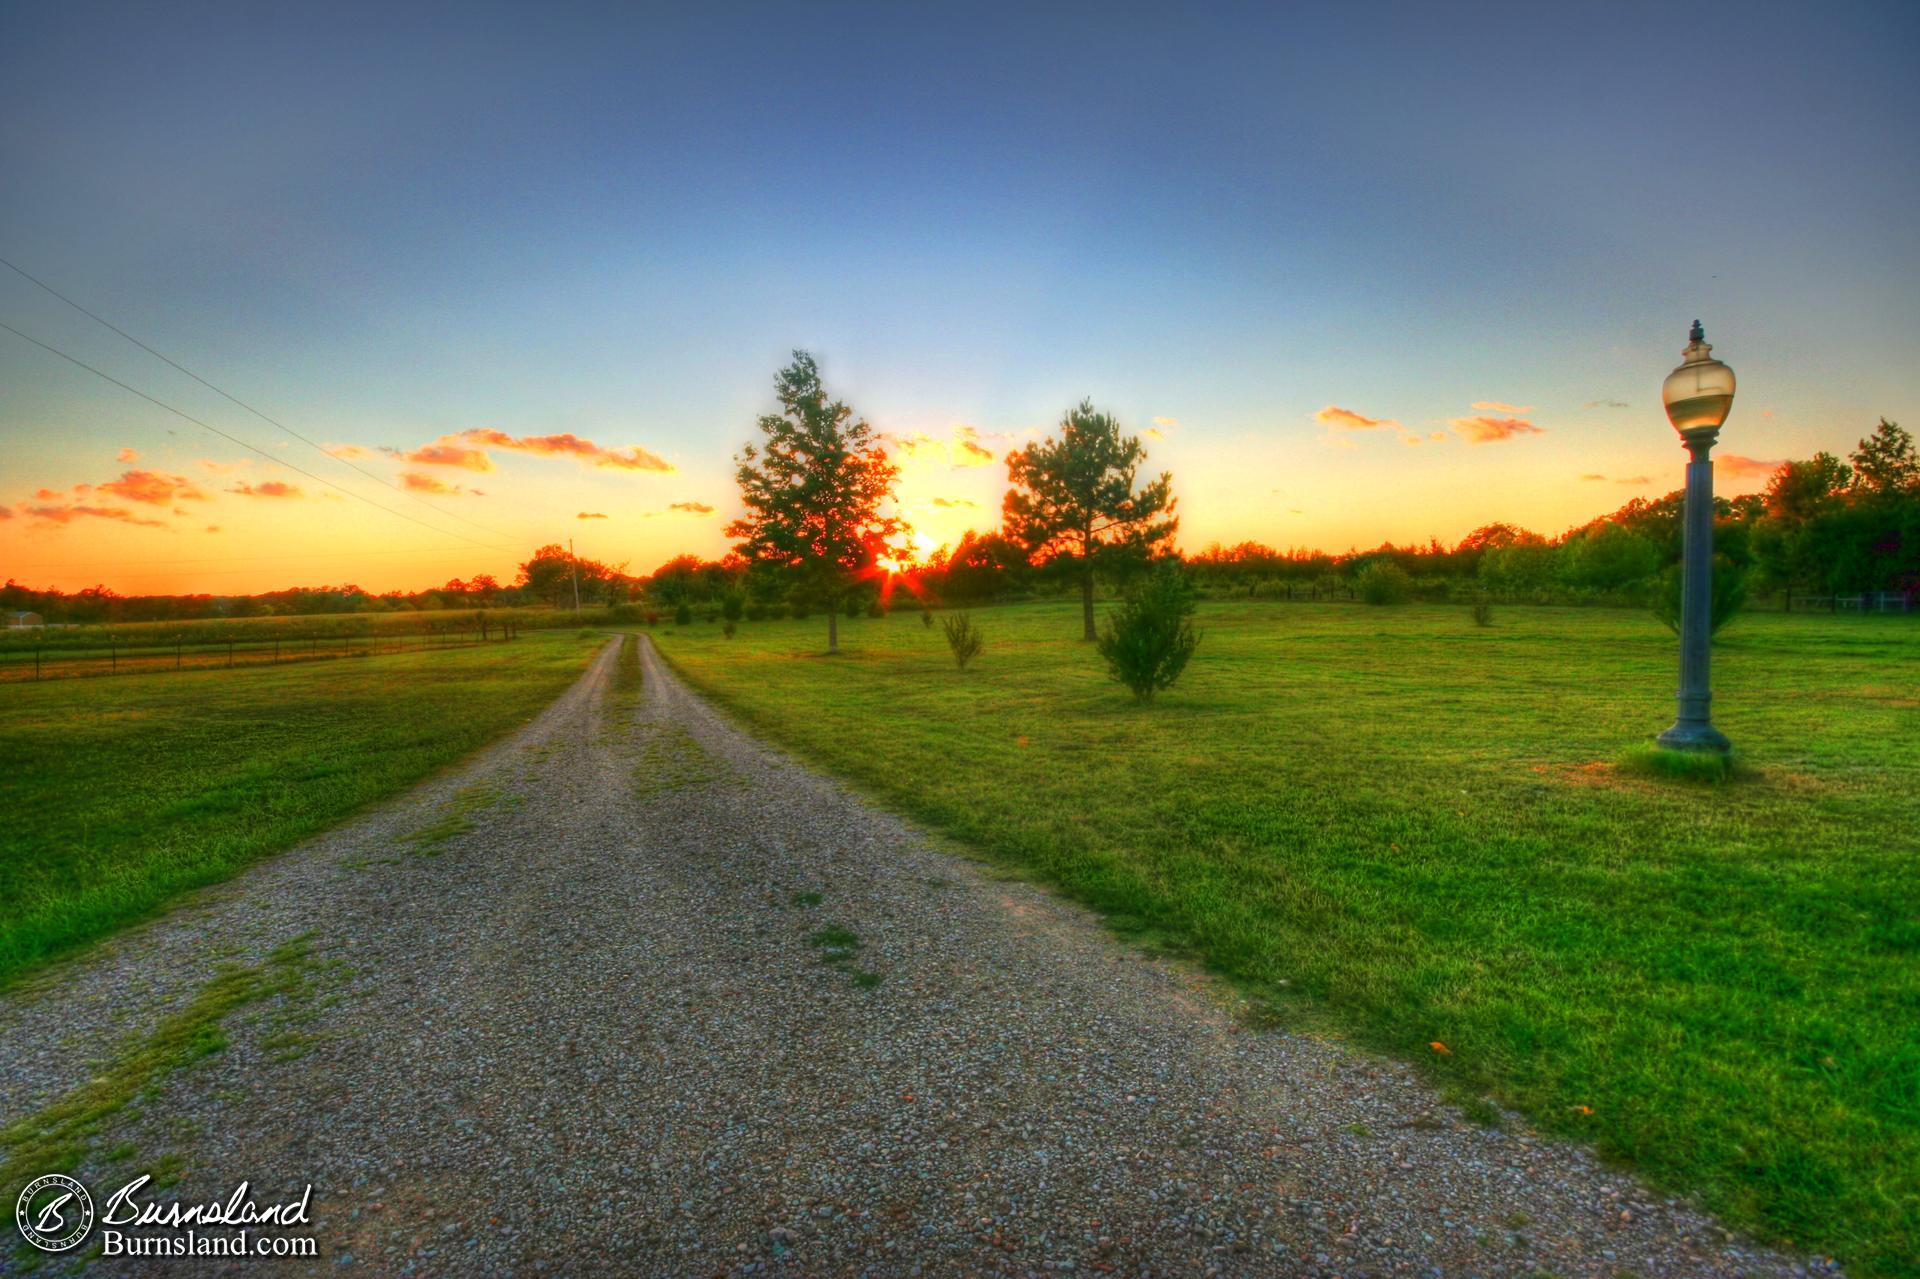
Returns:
(428, 484)
(590, 515)
(691, 508)
(152, 488)
(126, 455)
(1490, 430)
(1737, 467)
(1347, 420)
(267, 488)
(446, 452)
(1495, 406)
(954, 501)
(566, 444)
(345, 451)
(6, 512)
(68, 514)
(213, 528)
(1594, 476)
(962, 449)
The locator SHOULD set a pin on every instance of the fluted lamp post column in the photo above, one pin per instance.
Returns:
(1698, 396)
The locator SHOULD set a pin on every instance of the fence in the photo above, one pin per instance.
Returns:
(1869, 602)
(147, 658)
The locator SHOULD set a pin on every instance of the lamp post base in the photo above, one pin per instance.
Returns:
(1695, 736)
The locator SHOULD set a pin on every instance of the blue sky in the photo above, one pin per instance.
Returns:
(613, 223)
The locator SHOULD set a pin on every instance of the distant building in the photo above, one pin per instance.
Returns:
(22, 619)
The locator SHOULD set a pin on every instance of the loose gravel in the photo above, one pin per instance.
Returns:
(665, 1002)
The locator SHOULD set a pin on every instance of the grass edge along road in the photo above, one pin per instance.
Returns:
(1414, 831)
(124, 793)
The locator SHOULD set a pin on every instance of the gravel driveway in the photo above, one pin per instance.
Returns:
(629, 993)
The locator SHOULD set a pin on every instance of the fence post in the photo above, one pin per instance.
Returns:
(36, 661)
(113, 656)
(176, 652)
(229, 654)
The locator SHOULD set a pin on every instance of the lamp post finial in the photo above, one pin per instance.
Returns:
(1697, 333)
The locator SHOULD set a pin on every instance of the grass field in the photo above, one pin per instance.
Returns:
(122, 793)
(1395, 825)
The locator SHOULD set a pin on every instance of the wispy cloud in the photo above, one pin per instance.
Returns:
(566, 444)
(961, 448)
(1500, 406)
(266, 488)
(590, 515)
(1597, 478)
(691, 508)
(419, 483)
(1490, 430)
(152, 488)
(1347, 420)
(66, 514)
(1166, 423)
(126, 455)
(449, 451)
(1734, 466)
(1601, 404)
(348, 451)
(955, 502)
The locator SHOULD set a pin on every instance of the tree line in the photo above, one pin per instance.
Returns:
(819, 532)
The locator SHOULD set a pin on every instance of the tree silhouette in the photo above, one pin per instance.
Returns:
(813, 490)
(1073, 499)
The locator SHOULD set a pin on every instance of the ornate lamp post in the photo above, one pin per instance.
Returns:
(1698, 396)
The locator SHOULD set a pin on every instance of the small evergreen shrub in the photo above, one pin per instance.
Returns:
(963, 638)
(1149, 638)
(1482, 610)
(733, 606)
(874, 608)
(730, 627)
(1382, 582)
(756, 612)
(683, 615)
(926, 617)
(1729, 596)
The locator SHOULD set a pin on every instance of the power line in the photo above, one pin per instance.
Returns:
(23, 274)
(243, 444)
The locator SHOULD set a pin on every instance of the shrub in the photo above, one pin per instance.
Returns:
(852, 606)
(926, 617)
(1729, 596)
(1148, 639)
(1382, 582)
(624, 613)
(732, 606)
(800, 610)
(653, 617)
(683, 615)
(963, 637)
(730, 627)
(874, 608)
(756, 612)
(1482, 610)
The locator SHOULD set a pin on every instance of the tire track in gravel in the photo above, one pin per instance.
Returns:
(595, 1033)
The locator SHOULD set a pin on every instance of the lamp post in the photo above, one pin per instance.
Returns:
(1698, 396)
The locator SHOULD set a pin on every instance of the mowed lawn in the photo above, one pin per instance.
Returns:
(1393, 824)
(120, 793)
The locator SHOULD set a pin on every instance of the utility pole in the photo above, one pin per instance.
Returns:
(573, 562)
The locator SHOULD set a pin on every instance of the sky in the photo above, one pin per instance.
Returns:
(1354, 272)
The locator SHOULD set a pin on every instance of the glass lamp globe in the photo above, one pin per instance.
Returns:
(1699, 393)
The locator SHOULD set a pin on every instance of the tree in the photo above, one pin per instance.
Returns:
(1073, 500)
(1149, 638)
(813, 492)
(1885, 464)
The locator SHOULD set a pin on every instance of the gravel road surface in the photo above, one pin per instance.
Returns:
(629, 993)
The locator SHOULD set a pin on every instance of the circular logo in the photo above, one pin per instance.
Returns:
(54, 1212)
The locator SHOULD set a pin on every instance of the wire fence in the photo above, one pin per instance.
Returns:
(110, 657)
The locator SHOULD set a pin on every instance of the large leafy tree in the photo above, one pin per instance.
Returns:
(814, 488)
(1074, 500)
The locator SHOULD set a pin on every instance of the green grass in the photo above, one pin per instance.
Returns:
(1396, 825)
(120, 794)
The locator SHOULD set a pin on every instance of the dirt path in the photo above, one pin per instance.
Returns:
(647, 997)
